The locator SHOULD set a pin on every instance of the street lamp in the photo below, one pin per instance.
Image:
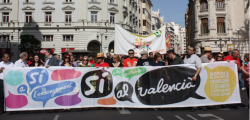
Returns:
(238, 37)
(221, 45)
(106, 37)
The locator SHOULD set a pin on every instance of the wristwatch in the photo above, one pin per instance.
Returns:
(195, 75)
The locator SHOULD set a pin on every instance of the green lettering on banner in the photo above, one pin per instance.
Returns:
(133, 72)
(117, 72)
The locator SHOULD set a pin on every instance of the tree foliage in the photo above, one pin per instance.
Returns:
(29, 43)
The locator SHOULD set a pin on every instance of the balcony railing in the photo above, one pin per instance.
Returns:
(220, 6)
(47, 24)
(5, 24)
(68, 24)
(28, 24)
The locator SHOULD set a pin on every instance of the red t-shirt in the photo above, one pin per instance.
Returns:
(104, 64)
(29, 62)
(229, 57)
(91, 62)
(130, 63)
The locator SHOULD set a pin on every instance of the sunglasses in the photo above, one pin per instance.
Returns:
(131, 53)
(67, 57)
(150, 54)
(219, 56)
(85, 60)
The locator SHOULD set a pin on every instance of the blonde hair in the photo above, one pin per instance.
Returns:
(116, 56)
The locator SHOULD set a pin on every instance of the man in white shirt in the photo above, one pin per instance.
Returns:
(192, 58)
(4, 64)
(22, 62)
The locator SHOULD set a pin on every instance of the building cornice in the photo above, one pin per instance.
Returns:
(5, 8)
(94, 8)
(48, 8)
(28, 8)
(68, 8)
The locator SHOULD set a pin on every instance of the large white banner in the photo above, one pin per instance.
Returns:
(141, 87)
(152, 43)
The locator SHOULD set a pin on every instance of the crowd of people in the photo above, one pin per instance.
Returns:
(146, 59)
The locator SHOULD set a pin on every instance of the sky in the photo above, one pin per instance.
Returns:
(172, 10)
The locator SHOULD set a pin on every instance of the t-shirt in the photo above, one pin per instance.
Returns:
(91, 62)
(153, 63)
(229, 57)
(109, 61)
(143, 62)
(247, 68)
(177, 60)
(204, 59)
(2, 64)
(130, 63)
(193, 59)
(104, 64)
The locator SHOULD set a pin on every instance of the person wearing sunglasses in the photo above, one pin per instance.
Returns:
(66, 61)
(219, 57)
(85, 62)
(116, 61)
(131, 61)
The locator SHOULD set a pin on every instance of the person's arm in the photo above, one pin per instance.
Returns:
(244, 71)
(1, 70)
(196, 74)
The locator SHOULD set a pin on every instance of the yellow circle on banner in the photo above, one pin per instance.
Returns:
(221, 82)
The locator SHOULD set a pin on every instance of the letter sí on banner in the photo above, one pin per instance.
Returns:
(147, 87)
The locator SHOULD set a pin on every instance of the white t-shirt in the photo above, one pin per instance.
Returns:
(20, 63)
(2, 64)
(193, 59)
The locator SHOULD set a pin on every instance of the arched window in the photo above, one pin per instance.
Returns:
(220, 4)
(203, 5)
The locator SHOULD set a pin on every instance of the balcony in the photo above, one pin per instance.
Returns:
(28, 3)
(220, 6)
(68, 24)
(47, 24)
(48, 3)
(29, 24)
(113, 4)
(4, 24)
(94, 2)
(68, 3)
(6, 3)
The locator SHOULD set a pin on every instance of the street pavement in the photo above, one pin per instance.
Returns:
(228, 113)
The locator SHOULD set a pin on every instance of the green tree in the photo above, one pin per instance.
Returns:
(29, 44)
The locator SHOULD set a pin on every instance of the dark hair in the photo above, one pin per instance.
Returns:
(193, 48)
(49, 51)
(131, 50)
(150, 53)
(91, 56)
(39, 61)
(156, 56)
(246, 56)
(3, 55)
(64, 57)
(216, 57)
(80, 56)
(170, 51)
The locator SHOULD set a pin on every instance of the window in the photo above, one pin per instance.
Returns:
(144, 1)
(5, 17)
(68, 38)
(47, 38)
(125, 17)
(204, 26)
(144, 23)
(4, 38)
(124, 2)
(153, 27)
(6, 1)
(48, 0)
(112, 1)
(68, 0)
(112, 17)
(221, 25)
(203, 5)
(93, 16)
(219, 4)
(68, 17)
(48, 17)
(93, 0)
(28, 17)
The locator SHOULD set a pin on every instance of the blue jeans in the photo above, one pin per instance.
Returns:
(241, 80)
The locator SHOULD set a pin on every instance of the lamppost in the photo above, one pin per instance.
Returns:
(102, 33)
(238, 37)
(221, 45)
